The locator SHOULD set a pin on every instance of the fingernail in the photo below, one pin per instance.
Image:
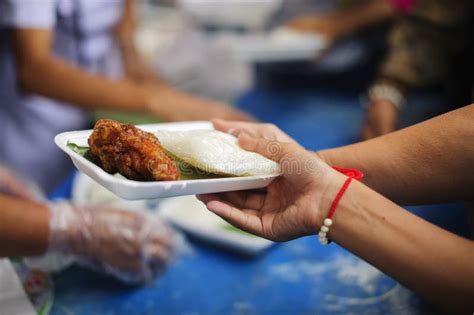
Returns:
(231, 131)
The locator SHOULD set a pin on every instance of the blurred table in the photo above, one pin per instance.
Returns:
(298, 277)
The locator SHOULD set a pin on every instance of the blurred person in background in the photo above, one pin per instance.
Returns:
(60, 59)
(348, 18)
(428, 46)
(354, 32)
(134, 247)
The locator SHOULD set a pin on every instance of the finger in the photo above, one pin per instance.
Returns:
(206, 198)
(255, 201)
(161, 239)
(251, 212)
(234, 127)
(243, 220)
(235, 198)
(244, 199)
(273, 150)
(155, 253)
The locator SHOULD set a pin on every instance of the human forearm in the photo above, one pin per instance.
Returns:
(426, 163)
(23, 227)
(67, 83)
(135, 247)
(431, 261)
(40, 71)
(366, 14)
(427, 259)
(340, 23)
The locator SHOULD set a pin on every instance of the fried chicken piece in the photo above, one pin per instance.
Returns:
(132, 152)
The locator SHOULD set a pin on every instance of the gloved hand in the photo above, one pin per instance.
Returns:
(134, 246)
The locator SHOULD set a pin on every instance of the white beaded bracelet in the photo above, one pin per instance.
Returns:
(323, 232)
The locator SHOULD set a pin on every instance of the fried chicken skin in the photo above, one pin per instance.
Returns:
(132, 152)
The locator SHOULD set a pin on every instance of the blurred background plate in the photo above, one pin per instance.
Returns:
(190, 215)
(245, 14)
(87, 192)
(281, 44)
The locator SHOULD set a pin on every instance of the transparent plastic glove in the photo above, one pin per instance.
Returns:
(134, 246)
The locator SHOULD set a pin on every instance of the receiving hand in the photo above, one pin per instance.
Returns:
(293, 205)
(132, 246)
(382, 118)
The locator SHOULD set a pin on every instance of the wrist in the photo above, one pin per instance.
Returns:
(387, 93)
(148, 97)
(350, 25)
(329, 195)
(335, 180)
(325, 156)
(156, 97)
(352, 214)
(64, 229)
(326, 223)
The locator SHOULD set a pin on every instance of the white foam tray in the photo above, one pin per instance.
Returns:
(136, 190)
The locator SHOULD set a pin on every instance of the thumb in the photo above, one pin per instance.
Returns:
(270, 149)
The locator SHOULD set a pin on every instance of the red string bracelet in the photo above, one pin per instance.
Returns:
(351, 174)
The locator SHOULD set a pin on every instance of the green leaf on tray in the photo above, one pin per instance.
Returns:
(232, 228)
(186, 171)
(82, 151)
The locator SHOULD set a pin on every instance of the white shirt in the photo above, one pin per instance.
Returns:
(83, 35)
